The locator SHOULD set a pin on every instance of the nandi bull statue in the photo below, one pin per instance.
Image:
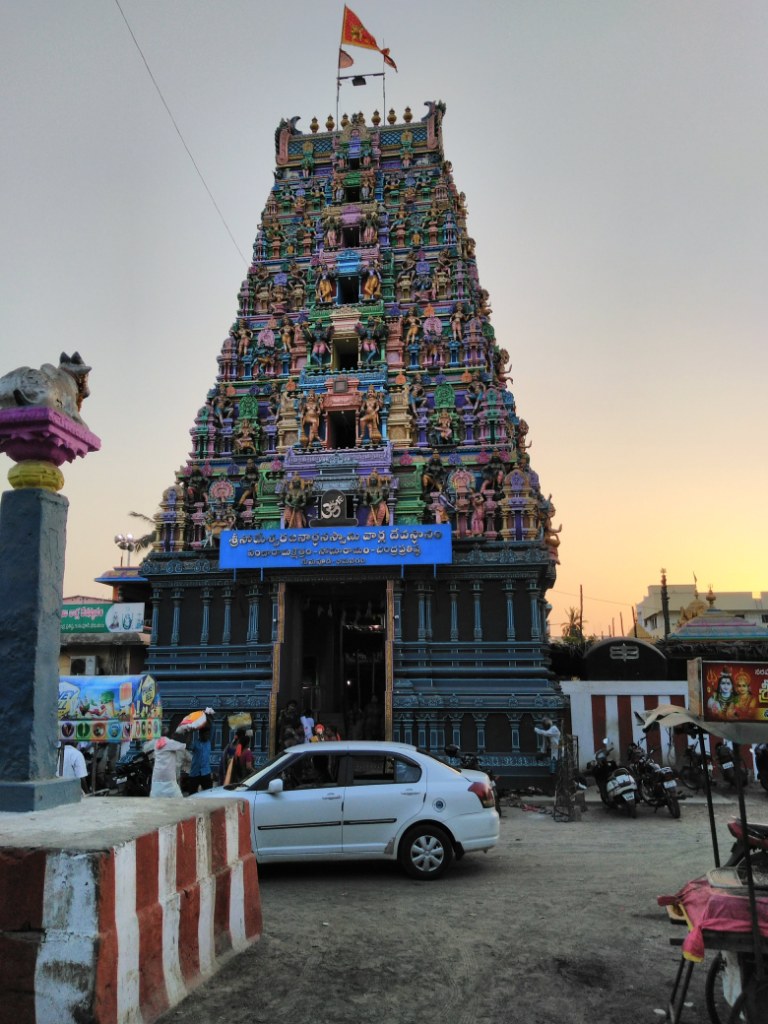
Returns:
(61, 387)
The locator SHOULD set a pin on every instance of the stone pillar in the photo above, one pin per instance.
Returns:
(254, 595)
(33, 521)
(477, 591)
(206, 623)
(509, 590)
(453, 590)
(32, 532)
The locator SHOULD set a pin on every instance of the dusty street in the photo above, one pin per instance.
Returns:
(558, 924)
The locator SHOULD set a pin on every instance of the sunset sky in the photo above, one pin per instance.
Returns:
(615, 162)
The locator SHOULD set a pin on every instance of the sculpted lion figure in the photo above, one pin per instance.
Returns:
(61, 387)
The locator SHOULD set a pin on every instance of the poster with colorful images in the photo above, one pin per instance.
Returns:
(733, 691)
(109, 709)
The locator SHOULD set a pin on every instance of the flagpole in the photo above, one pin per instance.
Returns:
(338, 59)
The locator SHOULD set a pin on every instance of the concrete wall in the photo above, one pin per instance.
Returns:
(118, 933)
(606, 708)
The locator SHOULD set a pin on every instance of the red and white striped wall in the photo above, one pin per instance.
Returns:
(606, 708)
(120, 934)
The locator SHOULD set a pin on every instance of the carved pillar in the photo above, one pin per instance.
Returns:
(206, 624)
(155, 615)
(533, 591)
(428, 592)
(514, 725)
(397, 621)
(477, 590)
(226, 633)
(479, 730)
(176, 596)
(254, 594)
(453, 590)
(509, 590)
(456, 720)
(422, 631)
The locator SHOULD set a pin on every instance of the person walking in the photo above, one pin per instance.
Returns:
(166, 767)
(71, 764)
(200, 769)
(237, 761)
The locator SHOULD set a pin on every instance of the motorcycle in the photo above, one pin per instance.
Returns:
(727, 765)
(692, 773)
(656, 783)
(754, 844)
(133, 771)
(761, 764)
(616, 785)
(471, 760)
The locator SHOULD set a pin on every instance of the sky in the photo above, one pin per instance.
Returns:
(615, 162)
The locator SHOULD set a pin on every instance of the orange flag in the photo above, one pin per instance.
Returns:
(354, 33)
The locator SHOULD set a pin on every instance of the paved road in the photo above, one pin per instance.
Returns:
(558, 924)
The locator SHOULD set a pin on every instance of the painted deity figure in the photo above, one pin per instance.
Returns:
(325, 291)
(411, 326)
(244, 338)
(369, 350)
(371, 282)
(433, 475)
(370, 416)
(297, 494)
(375, 494)
(311, 412)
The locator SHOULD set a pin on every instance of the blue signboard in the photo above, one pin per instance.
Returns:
(335, 547)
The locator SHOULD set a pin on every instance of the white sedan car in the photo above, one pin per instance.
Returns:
(358, 799)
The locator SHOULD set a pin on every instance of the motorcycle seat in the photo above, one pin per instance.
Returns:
(756, 829)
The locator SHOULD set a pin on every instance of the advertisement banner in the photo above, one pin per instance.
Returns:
(332, 547)
(102, 617)
(109, 709)
(731, 691)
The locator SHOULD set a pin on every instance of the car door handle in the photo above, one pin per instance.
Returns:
(410, 792)
(332, 796)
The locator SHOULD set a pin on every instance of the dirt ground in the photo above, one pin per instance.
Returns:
(558, 924)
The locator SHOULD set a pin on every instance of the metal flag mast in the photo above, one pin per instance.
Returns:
(353, 33)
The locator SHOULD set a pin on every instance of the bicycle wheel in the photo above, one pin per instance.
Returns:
(722, 991)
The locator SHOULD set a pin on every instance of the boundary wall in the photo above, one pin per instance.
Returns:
(120, 933)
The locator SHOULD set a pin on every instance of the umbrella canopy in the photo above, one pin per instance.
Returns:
(670, 715)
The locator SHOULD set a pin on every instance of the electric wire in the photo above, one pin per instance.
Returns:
(178, 132)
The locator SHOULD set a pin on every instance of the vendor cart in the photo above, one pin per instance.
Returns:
(726, 911)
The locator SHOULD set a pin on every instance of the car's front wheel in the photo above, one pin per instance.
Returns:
(425, 852)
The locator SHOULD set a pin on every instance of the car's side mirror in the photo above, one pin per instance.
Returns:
(275, 786)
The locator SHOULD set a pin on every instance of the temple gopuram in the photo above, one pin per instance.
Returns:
(358, 526)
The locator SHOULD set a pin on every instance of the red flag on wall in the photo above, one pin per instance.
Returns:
(354, 33)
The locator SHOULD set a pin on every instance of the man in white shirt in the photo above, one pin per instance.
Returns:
(552, 734)
(70, 764)
(166, 768)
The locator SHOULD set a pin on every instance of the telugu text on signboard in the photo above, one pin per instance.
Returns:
(335, 547)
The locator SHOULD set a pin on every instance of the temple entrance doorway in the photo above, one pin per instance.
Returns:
(334, 655)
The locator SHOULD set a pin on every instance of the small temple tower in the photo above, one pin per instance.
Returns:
(362, 384)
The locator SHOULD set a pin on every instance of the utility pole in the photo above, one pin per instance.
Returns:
(665, 602)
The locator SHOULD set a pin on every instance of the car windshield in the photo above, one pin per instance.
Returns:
(250, 780)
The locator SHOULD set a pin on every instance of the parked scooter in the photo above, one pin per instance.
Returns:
(656, 783)
(761, 764)
(692, 773)
(615, 783)
(133, 771)
(471, 759)
(728, 766)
